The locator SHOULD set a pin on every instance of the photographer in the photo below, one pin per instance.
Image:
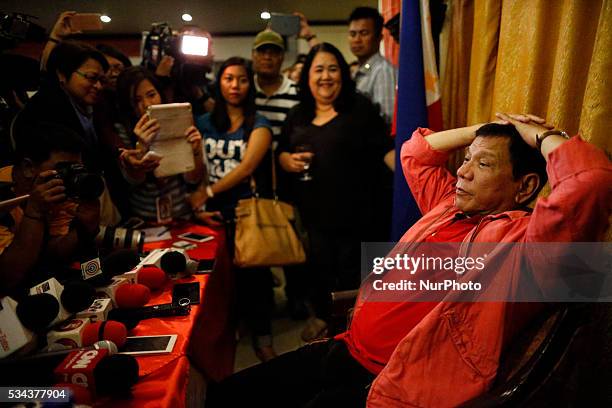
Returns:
(46, 229)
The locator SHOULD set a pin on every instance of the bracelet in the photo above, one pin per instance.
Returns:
(54, 40)
(209, 192)
(310, 37)
(540, 137)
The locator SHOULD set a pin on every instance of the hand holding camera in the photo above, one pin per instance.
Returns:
(47, 191)
(78, 182)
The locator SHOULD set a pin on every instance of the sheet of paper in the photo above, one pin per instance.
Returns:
(155, 234)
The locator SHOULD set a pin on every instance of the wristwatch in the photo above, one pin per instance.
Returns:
(541, 136)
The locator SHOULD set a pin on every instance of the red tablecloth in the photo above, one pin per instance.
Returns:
(206, 336)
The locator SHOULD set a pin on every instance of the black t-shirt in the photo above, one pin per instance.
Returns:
(346, 169)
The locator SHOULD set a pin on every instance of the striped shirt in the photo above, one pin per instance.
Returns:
(376, 79)
(276, 107)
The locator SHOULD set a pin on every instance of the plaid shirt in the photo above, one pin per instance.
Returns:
(377, 79)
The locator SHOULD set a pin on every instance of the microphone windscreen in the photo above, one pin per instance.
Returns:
(120, 261)
(113, 331)
(77, 296)
(36, 312)
(173, 262)
(152, 277)
(116, 374)
(131, 295)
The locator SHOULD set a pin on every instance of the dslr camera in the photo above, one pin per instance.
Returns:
(79, 183)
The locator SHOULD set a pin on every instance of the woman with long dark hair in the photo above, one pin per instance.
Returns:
(236, 141)
(137, 89)
(333, 145)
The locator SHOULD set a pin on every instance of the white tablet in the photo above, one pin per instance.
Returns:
(137, 345)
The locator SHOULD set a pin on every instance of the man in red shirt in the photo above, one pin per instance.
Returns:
(410, 349)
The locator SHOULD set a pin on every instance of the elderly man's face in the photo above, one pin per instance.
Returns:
(485, 184)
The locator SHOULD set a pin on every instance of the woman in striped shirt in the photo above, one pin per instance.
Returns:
(151, 197)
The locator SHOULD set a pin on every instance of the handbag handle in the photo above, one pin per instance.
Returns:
(254, 184)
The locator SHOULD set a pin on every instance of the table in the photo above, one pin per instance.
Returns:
(206, 340)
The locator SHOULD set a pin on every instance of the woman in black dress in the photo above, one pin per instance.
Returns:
(339, 137)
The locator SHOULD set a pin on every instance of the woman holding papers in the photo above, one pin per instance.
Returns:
(155, 199)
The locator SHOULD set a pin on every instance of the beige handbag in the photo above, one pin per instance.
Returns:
(264, 233)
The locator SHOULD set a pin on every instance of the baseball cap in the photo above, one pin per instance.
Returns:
(268, 37)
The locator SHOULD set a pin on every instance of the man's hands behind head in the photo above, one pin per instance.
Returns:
(527, 125)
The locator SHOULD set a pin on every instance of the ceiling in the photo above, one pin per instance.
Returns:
(218, 17)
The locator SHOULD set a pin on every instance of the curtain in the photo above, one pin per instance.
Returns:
(552, 58)
(548, 57)
(388, 9)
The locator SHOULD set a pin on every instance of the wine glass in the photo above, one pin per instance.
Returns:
(305, 148)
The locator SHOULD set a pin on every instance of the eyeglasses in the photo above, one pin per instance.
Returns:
(93, 78)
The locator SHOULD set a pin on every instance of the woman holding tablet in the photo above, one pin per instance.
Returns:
(151, 198)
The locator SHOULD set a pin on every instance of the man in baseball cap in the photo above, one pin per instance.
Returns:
(275, 96)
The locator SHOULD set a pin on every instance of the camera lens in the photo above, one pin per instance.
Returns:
(116, 238)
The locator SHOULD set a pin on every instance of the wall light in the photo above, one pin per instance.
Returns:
(186, 17)
(265, 15)
(105, 19)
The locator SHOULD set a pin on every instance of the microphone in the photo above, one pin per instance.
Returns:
(37, 369)
(173, 263)
(111, 330)
(55, 289)
(131, 317)
(132, 295)
(69, 333)
(77, 296)
(110, 291)
(101, 373)
(172, 260)
(13, 332)
(152, 277)
(37, 312)
(114, 264)
(50, 303)
(120, 261)
(97, 311)
(56, 350)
